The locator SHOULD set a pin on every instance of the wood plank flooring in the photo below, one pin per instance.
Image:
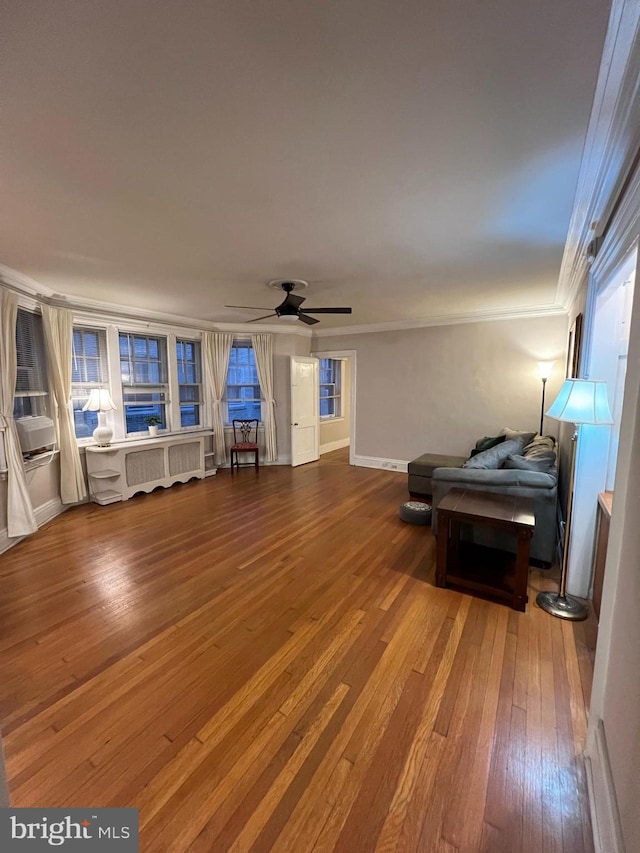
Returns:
(262, 662)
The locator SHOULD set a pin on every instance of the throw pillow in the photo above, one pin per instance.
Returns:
(543, 439)
(518, 433)
(495, 456)
(524, 463)
(487, 443)
(539, 452)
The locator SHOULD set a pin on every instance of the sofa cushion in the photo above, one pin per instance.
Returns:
(495, 456)
(524, 463)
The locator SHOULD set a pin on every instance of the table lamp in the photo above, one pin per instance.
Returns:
(100, 401)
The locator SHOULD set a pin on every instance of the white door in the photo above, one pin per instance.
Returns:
(305, 421)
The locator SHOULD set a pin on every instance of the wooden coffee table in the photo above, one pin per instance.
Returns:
(484, 570)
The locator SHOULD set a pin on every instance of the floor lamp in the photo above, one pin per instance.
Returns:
(580, 401)
(544, 371)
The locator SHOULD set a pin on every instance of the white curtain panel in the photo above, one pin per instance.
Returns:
(20, 518)
(58, 336)
(263, 349)
(216, 349)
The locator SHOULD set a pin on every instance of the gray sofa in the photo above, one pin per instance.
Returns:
(540, 485)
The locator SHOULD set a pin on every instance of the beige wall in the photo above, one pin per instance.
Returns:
(338, 430)
(439, 389)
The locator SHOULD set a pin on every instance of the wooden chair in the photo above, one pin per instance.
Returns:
(245, 440)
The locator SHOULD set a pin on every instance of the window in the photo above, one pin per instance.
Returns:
(243, 386)
(88, 370)
(189, 382)
(143, 369)
(330, 388)
(31, 377)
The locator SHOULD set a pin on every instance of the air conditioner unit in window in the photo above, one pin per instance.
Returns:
(35, 432)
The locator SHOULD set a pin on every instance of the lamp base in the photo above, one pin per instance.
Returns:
(102, 436)
(563, 606)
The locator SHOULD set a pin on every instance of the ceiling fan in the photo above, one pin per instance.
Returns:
(290, 309)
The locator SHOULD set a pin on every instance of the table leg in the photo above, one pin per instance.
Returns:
(443, 547)
(521, 578)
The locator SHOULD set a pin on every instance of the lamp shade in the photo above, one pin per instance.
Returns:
(582, 401)
(545, 368)
(99, 401)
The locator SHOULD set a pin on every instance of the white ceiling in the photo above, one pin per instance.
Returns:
(412, 159)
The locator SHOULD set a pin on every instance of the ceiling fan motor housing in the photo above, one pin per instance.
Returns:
(287, 310)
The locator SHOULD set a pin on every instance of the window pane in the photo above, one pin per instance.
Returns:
(189, 416)
(327, 407)
(30, 357)
(85, 422)
(189, 393)
(143, 368)
(90, 343)
(142, 372)
(26, 406)
(189, 373)
(244, 410)
(243, 393)
(330, 391)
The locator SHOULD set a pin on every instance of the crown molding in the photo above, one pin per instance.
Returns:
(480, 316)
(24, 285)
(612, 140)
(110, 312)
(92, 309)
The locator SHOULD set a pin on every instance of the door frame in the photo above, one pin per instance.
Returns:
(349, 354)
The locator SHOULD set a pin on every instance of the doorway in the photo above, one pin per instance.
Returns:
(337, 401)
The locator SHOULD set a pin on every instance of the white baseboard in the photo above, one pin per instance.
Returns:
(334, 445)
(380, 462)
(605, 818)
(43, 514)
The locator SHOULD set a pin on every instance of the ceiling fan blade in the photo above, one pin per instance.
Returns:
(252, 307)
(328, 310)
(308, 320)
(292, 299)
(255, 319)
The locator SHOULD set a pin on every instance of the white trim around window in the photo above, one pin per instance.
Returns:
(117, 419)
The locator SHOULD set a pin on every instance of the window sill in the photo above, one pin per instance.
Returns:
(144, 436)
(330, 419)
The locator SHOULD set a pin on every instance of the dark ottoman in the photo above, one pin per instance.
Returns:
(421, 469)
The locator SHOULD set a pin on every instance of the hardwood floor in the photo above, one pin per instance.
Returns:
(264, 663)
